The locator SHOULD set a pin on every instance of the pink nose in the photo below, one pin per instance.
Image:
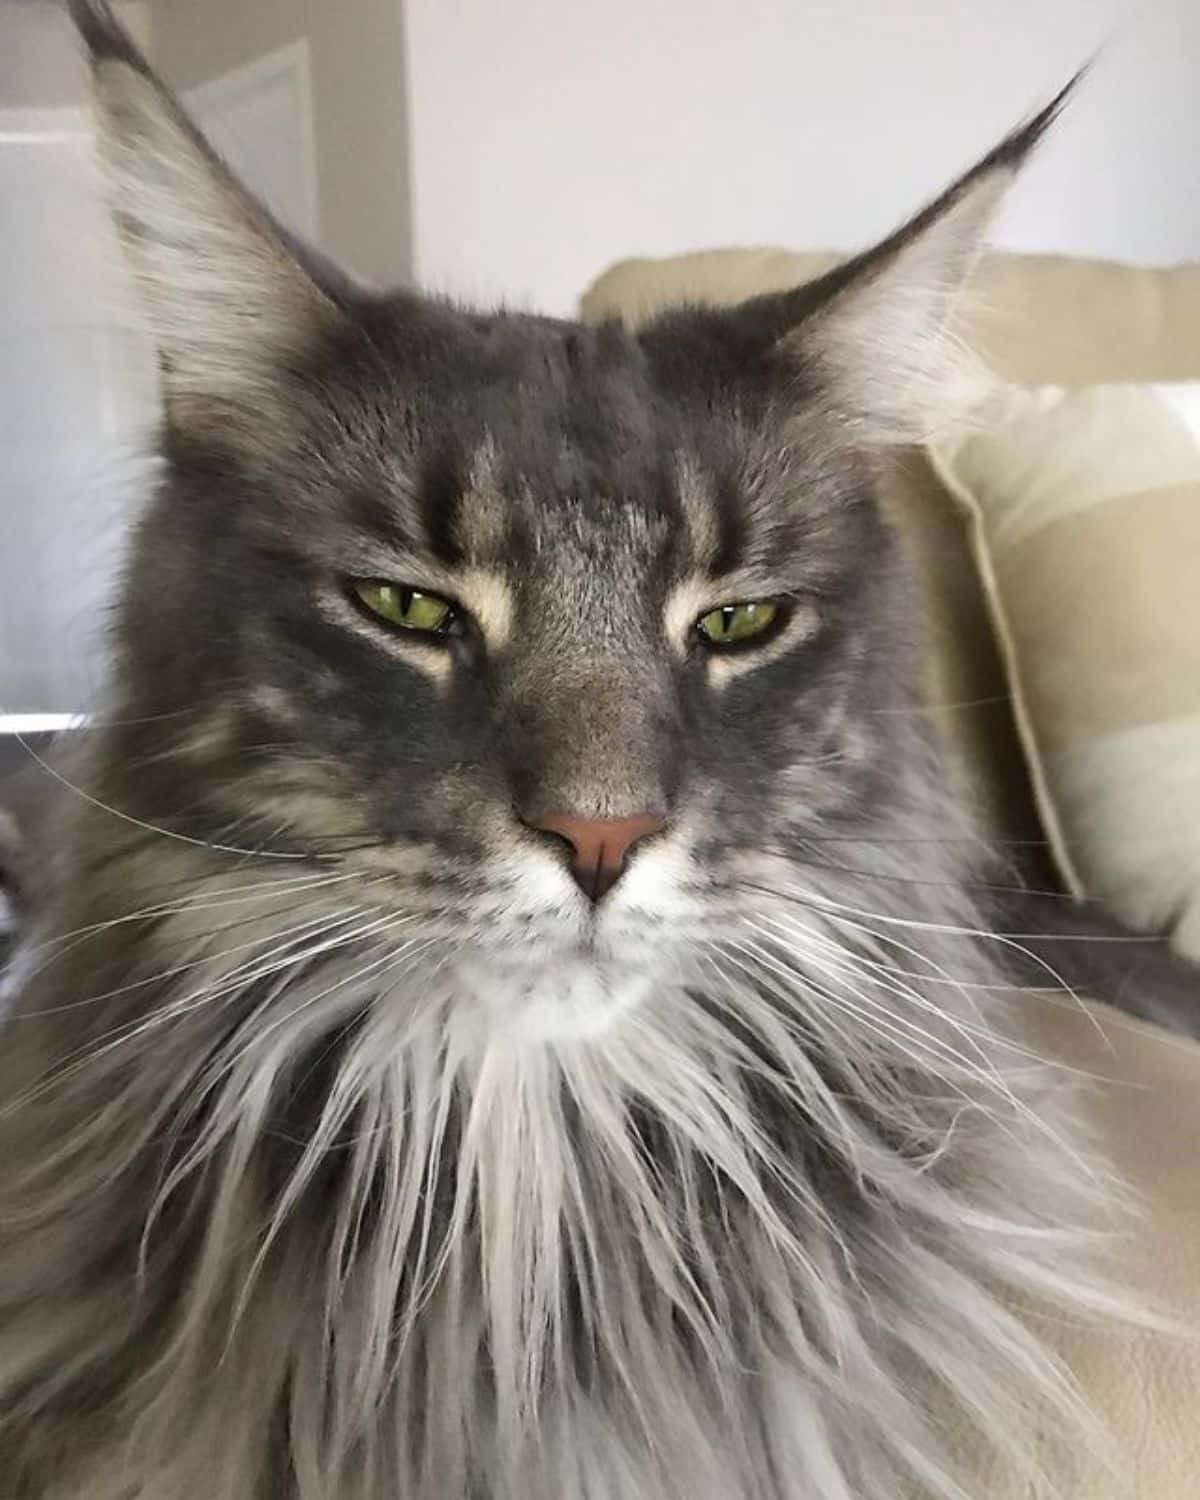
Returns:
(600, 846)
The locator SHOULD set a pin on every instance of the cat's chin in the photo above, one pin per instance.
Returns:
(570, 992)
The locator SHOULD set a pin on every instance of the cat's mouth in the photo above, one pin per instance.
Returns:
(536, 956)
(569, 970)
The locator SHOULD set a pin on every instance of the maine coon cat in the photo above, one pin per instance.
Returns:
(518, 1019)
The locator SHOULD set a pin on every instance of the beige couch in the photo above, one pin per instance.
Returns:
(1045, 320)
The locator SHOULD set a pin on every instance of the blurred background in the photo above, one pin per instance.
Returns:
(511, 150)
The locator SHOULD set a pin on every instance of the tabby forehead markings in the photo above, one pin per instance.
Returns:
(699, 510)
(481, 515)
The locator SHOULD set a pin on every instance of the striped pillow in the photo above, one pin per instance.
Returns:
(1085, 509)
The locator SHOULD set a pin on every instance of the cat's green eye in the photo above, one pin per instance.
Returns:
(734, 623)
(409, 609)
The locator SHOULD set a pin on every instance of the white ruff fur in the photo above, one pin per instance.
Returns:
(661, 1252)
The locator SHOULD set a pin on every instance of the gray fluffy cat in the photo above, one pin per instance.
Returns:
(519, 1021)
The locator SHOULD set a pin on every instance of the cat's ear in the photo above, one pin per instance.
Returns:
(225, 292)
(879, 332)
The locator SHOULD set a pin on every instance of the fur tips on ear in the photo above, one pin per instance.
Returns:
(223, 293)
(880, 329)
(103, 35)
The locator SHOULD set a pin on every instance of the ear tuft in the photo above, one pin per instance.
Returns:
(880, 329)
(225, 297)
(103, 35)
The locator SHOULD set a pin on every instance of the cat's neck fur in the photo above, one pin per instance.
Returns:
(750, 1243)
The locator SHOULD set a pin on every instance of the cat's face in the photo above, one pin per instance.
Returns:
(639, 590)
(465, 603)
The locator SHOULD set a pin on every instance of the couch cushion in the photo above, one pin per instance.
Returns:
(634, 290)
(1086, 515)
(1143, 1382)
(1037, 319)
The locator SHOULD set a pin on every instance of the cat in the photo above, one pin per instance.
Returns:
(520, 1019)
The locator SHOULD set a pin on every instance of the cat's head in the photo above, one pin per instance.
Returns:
(548, 631)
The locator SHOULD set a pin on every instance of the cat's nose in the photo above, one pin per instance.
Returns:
(599, 846)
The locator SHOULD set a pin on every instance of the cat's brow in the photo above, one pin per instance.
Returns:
(715, 515)
(382, 522)
(699, 511)
(481, 518)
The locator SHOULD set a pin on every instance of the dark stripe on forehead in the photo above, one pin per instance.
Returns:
(440, 484)
(730, 508)
(370, 513)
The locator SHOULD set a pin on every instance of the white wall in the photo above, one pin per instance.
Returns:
(552, 137)
(76, 383)
(360, 115)
(40, 66)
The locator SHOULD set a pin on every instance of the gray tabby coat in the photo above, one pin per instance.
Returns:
(348, 1150)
